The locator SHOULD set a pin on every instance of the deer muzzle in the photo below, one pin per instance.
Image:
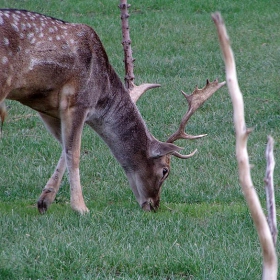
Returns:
(150, 205)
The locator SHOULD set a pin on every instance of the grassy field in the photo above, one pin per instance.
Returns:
(203, 229)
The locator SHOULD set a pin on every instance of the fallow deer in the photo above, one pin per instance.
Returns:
(62, 71)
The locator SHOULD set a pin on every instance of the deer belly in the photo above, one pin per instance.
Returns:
(39, 99)
(39, 84)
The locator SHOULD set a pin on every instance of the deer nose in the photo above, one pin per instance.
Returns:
(150, 205)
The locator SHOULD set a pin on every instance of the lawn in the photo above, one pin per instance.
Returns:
(203, 229)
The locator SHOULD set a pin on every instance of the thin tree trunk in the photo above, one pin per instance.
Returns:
(268, 250)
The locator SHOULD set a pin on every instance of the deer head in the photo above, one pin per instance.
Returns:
(62, 71)
(149, 182)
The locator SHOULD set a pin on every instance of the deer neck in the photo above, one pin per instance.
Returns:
(121, 126)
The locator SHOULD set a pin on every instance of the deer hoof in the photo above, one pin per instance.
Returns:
(42, 206)
(45, 200)
(78, 204)
(81, 210)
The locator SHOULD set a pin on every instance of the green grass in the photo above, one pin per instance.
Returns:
(203, 229)
(187, 241)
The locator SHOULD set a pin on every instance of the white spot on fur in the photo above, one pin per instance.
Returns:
(33, 63)
(6, 41)
(15, 27)
(66, 92)
(5, 60)
(16, 17)
(9, 81)
(23, 26)
(1, 20)
(30, 36)
(81, 34)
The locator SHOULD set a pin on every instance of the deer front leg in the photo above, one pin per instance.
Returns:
(72, 120)
(50, 190)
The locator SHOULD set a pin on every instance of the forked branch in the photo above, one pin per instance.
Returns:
(195, 100)
(268, 250)
(135, 91)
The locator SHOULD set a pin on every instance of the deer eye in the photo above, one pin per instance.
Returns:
(164, 172)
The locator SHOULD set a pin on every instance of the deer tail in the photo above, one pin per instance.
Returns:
(3, 113)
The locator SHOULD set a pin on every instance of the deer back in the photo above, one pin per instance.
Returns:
(40, 55)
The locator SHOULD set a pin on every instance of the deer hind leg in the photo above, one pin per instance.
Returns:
(50, 190)
(72, 121)
(2, 115)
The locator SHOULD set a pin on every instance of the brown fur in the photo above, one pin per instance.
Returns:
(61, 70)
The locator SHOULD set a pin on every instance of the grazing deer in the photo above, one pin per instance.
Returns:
(62, 71)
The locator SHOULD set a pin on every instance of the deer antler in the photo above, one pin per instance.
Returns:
(195, 100)
(134, 91)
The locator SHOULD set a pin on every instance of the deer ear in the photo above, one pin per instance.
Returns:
(159, 149)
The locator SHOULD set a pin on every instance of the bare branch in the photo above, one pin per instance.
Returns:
(269, 189)
(126, 42)
(134, 91)
(269, 254)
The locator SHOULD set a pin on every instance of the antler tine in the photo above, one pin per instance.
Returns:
(195, 100)
(136, 91)
(178, 155)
